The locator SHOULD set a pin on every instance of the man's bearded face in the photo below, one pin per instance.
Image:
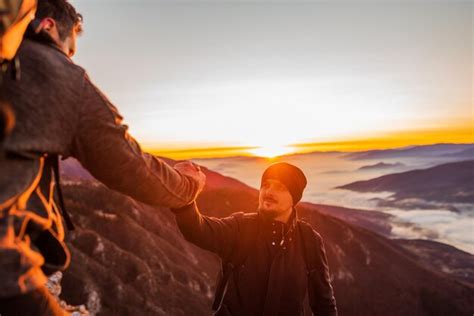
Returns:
(274, 198)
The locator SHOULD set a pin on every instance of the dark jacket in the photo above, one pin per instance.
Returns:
(58, 111)
(273, 280)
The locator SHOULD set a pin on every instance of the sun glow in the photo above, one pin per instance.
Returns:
(272, 151)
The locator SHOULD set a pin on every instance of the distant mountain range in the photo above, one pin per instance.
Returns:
(437, 150)
(466, 153)
(451, 182)
(130, 259)
(381, 166)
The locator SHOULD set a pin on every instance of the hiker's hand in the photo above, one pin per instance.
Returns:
(193, 171)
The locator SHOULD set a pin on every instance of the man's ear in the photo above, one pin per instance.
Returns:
(46, 24)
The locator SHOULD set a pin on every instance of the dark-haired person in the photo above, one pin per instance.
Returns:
(59, 112)
(270, 259)
(58, 23)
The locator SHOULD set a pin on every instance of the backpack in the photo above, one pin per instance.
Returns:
(242, 250)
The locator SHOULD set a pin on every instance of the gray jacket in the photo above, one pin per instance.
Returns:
(58, 111)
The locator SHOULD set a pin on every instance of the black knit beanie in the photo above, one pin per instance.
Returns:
(291, 176)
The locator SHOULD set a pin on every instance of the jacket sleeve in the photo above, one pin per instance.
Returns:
(321, 294)
(104, 147)
(218, 235)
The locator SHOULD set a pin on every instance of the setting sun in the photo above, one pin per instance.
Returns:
(271, 151)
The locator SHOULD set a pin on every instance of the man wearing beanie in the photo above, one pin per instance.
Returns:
(270, 259)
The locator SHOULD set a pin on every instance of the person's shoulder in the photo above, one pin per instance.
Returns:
(47, 59)
(247, 224)
(308, 229)
(245, 221)
(242, 216)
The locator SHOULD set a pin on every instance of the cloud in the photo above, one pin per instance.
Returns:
(441, 225)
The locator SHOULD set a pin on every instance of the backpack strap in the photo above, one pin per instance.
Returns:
(222, 283)
(64, 212)
(248, 229)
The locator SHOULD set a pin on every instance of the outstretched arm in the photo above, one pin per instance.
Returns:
(214, 234)
(104, 147)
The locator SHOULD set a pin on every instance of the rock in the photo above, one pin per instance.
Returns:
(54, 287)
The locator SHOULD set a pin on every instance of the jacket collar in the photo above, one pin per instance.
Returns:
(275, 232)
(44, 39)
(267, 222)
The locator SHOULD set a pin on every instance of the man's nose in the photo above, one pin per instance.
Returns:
(270, 191)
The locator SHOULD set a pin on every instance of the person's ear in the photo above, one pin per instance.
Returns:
(47, 24)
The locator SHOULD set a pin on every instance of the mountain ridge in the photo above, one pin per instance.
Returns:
(449, 182)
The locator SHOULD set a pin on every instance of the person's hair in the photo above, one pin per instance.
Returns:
(62, 12)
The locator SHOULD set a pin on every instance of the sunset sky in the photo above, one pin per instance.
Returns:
(336, 75)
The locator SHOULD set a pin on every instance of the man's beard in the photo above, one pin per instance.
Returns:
(268, 212)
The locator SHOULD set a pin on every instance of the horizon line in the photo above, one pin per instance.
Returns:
(243, 151)
(459, 135)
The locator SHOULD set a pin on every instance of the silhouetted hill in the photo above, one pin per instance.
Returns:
(452, 182)
(372, 220)
(436, 150)
(433, 255)
(130, 259)
(441, 257)
(71, 168)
